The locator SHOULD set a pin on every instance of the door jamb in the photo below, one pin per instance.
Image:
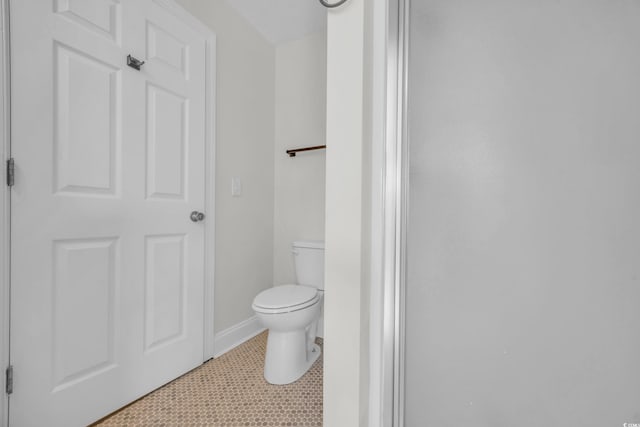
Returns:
(387, 399)
(210, 188)
(5, 153)
(179, 12)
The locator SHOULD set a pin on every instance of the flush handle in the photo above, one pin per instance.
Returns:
(196, 216)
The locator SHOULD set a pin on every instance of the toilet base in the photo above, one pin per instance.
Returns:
(288, 358)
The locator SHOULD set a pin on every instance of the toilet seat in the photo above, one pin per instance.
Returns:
(285, 299)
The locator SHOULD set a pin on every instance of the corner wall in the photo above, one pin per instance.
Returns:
(299, 207)
(346, 335)
(244, 149)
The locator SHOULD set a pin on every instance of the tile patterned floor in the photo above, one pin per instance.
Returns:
(229, 391)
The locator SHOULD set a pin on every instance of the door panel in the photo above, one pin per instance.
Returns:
(166, 49)
(87, 140)
(167, 118)
(101, 17)
(165, 290)
(83, 334)
(107, 268)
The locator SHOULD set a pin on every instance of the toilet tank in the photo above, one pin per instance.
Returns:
(308, 258)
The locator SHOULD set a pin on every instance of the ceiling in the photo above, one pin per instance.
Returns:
(282, 20)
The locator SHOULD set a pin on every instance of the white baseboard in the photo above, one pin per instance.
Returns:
(236, 335)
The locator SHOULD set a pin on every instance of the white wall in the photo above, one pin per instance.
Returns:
(300, 121)
(245, 149)
(346, 333)
(524, 241)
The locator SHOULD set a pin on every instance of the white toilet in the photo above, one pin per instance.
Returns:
(291, 313)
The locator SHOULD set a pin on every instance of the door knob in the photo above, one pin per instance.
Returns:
(196, 216)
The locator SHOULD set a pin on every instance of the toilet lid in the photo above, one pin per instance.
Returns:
(285, 296)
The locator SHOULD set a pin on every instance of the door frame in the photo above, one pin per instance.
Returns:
(386, 402)
(5, 152)
(397, 184)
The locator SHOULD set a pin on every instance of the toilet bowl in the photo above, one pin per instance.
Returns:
(291, 314)
(292, 323)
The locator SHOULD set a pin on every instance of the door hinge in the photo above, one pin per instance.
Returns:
(9, 379)
(11, 172)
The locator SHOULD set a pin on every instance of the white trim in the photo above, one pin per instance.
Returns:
(377, 411)
(237, 334)
(210, 141)
(210, 208)
(395, 207)
(5, 230)
(386, 399)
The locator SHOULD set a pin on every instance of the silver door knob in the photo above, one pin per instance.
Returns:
(196, 216)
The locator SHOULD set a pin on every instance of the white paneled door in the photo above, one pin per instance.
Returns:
(107, 265)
